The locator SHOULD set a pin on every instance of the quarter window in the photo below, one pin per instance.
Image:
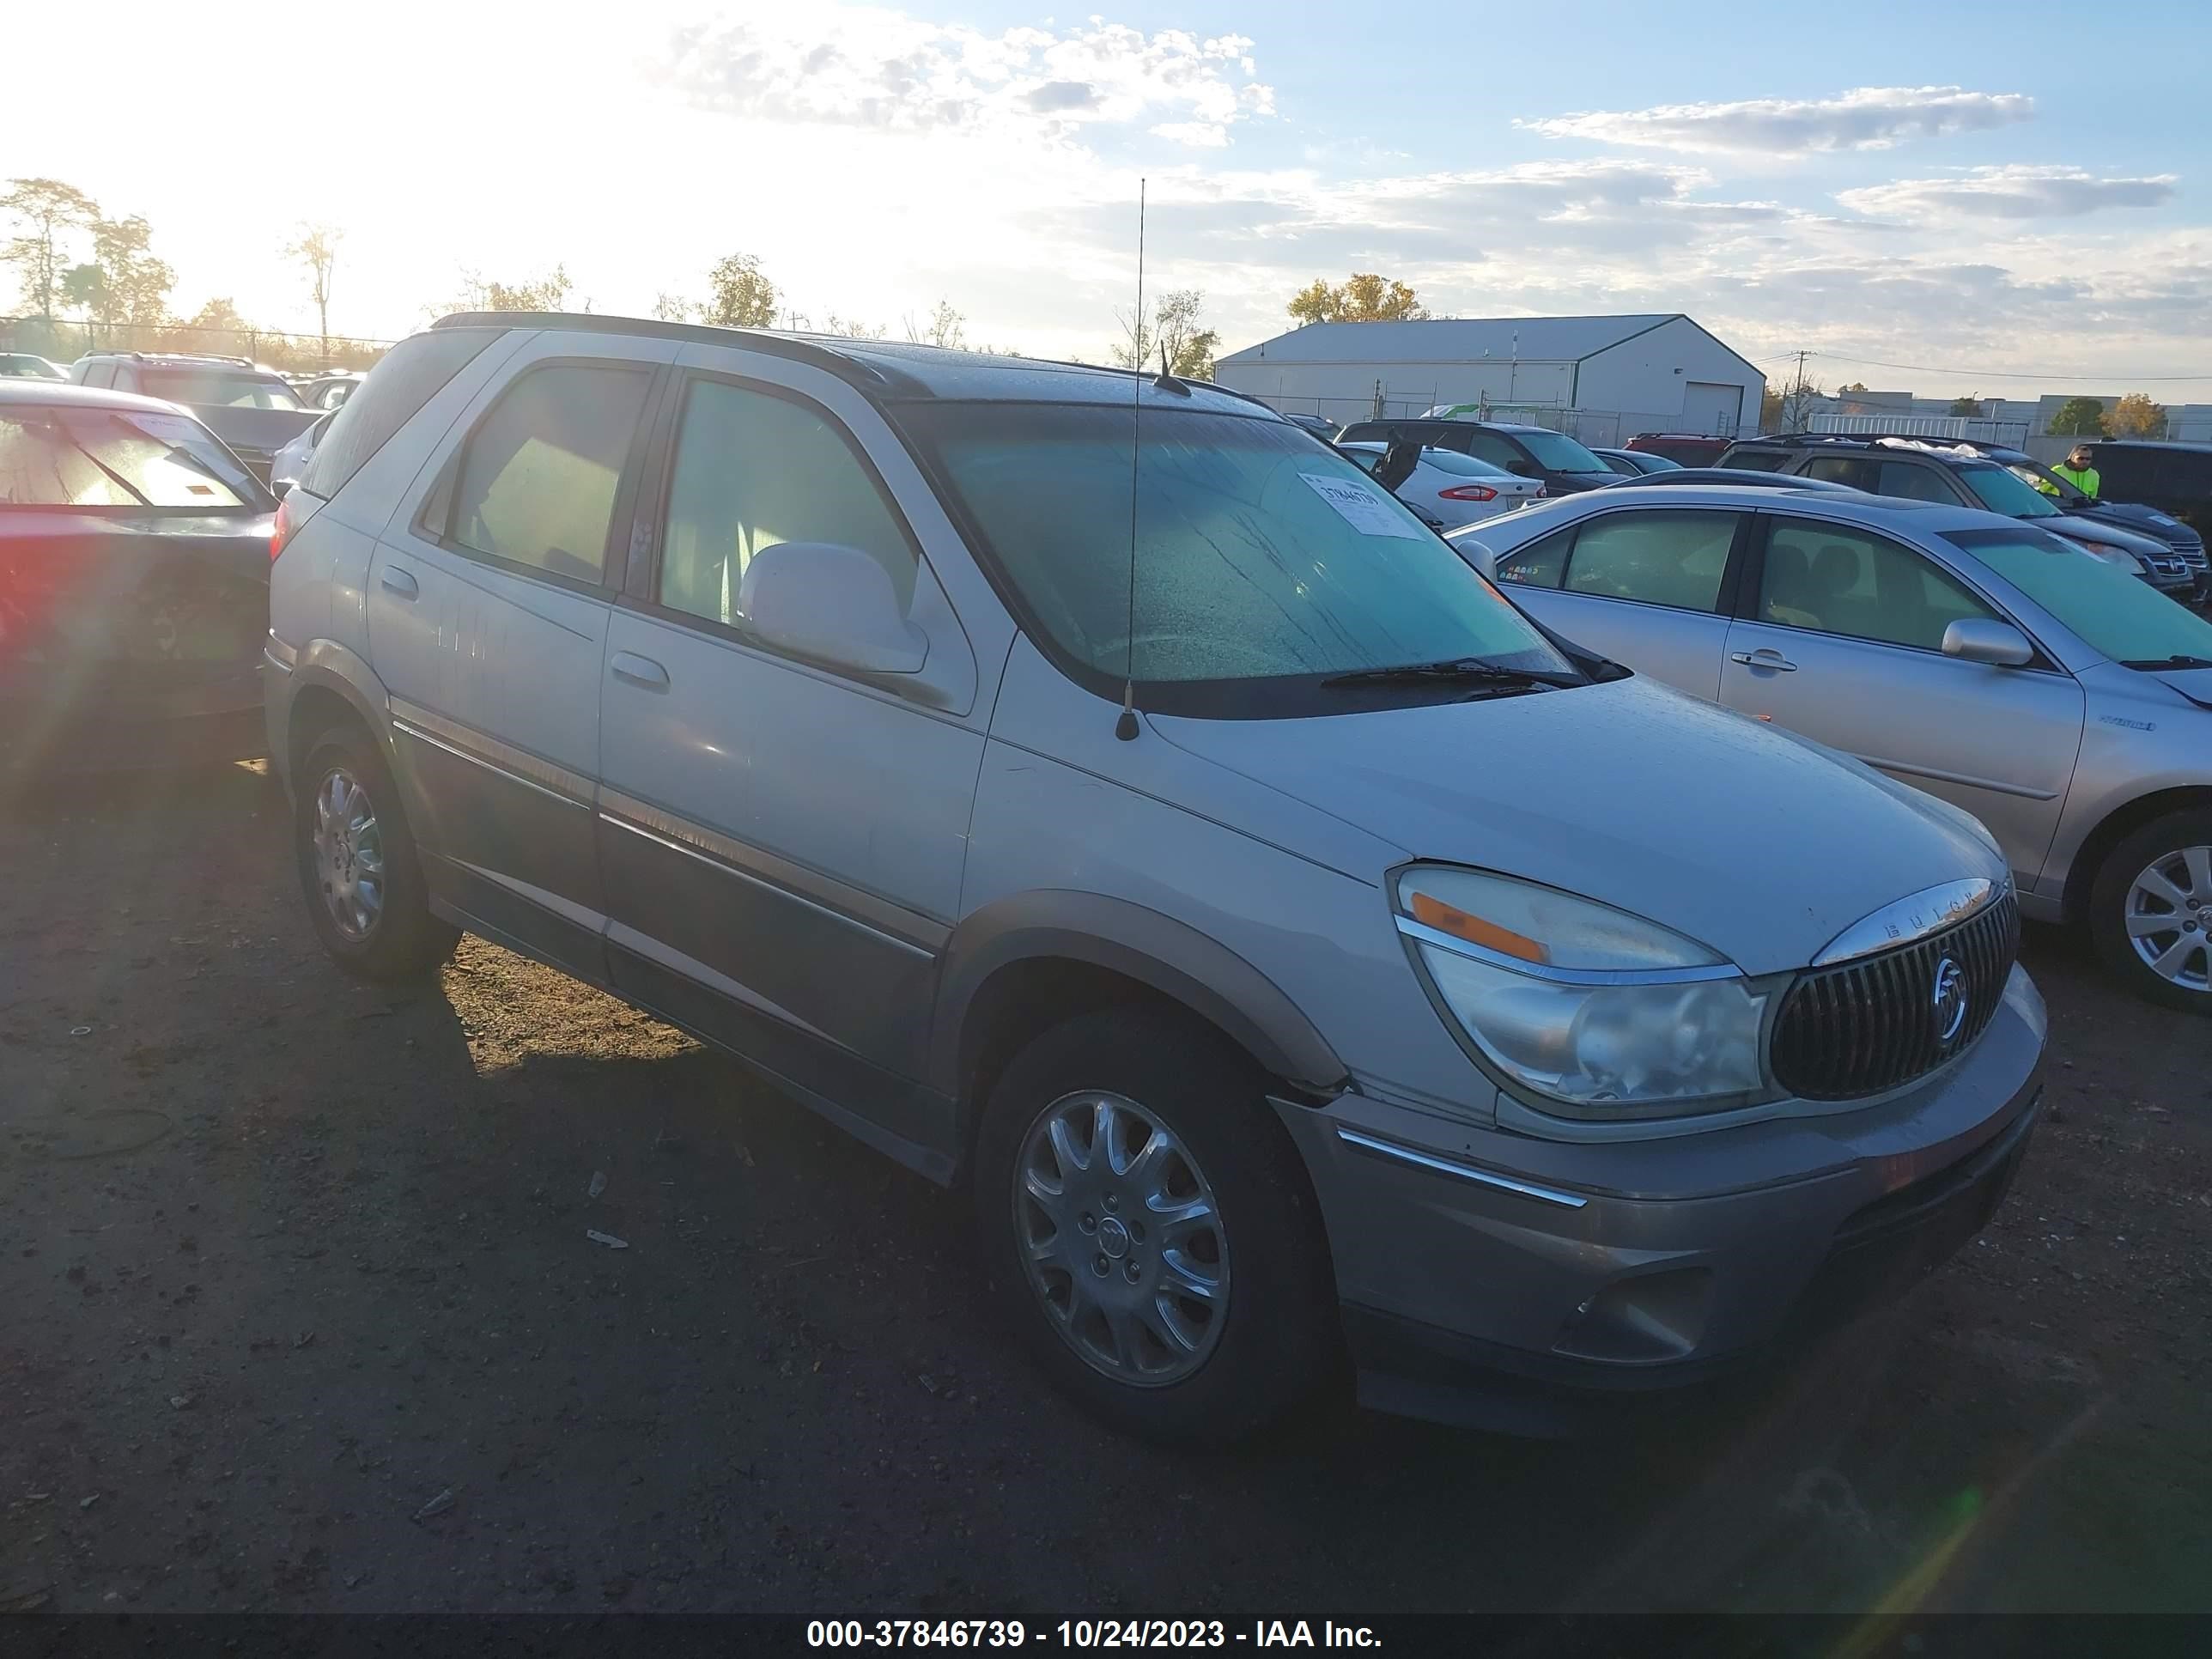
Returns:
(1539, 564)
(753, 470)
(1837, 580)
(1840, 469)
(1675, 559)
(537, 484)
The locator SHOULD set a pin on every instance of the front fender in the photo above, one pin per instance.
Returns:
(1155, 949)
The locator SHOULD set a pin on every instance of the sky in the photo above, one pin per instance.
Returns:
(1929, 198)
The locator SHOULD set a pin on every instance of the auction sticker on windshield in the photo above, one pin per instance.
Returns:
(1361, 509)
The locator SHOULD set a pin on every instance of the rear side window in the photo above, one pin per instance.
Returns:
(538, 480)
(1843, 470)
(1675, 559)
(1500, 453)
(410, 376)
(1755, 460)
(100, 374)
(1913, 481)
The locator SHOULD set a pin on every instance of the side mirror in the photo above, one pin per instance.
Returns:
(832, 603)
(1979, 639)
(1476, 554)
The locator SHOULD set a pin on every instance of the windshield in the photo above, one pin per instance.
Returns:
(2042, 480)
(2001, 490)
(2116, 614)
(1258, 557)
(219, 388)
(104, 458)
(1555, 451)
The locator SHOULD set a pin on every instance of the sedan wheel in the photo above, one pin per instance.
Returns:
(350, 854)
(2169, 908)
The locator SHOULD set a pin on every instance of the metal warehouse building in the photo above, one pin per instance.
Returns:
(1604, 379)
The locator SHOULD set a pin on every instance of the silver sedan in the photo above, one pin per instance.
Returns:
(2057, 699)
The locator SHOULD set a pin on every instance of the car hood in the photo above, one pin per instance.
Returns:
(1752, 840)
(2078, 527)
(2194, 684)
(2144, 520)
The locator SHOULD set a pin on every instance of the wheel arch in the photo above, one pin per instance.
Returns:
(2116, 826)
(329, 683)
(1029, 960)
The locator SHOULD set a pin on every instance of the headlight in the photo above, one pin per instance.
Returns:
(1589, 1006)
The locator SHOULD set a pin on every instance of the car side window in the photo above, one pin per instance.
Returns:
(1676, 559)
(1840, 469)
(1489, 446)
(1835, 580)
(1539, 564)
(536, 483)
(754, 470)
(1914, 482)
(100, 374)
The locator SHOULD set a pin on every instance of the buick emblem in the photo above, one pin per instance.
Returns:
(1950, 1001)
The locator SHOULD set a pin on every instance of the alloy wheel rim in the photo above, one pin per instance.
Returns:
(348, 854)
(2169, 912)
(1122, 1239)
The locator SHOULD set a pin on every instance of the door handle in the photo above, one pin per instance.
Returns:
(399, 581)
(638, 670)
(1765, 657)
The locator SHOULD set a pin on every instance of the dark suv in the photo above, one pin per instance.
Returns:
(1965, 474)
(1526, 451)
(2170, 478)
(250, 408)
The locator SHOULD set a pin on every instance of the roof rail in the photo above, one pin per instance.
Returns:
(1930, 440)
(847, 367)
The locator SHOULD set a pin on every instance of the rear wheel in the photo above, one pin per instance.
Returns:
(358, 865)
(1151, 1229)
(2151, 911)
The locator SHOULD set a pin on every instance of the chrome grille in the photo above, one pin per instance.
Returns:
(1872, 1024)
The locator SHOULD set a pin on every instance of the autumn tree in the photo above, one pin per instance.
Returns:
(1173, 328)
(739, 296)
(45, 211)
(317, 248)
(1363, 297)
(546, 293)
(1852, 385)
(2079, 417)
(2135, 416)
(124, 283)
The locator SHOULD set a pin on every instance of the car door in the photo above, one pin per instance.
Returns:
(1841, 638)
(784, 843)
(487, 621)
(1647, 587)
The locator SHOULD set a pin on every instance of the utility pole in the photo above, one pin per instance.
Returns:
(1797, 397)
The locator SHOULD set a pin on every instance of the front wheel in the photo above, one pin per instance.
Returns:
(1151, 1231)
(2151, 911)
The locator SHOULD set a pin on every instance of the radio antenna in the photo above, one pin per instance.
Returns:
(1126, 727)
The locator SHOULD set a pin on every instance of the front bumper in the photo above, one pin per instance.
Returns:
(1493, 1278)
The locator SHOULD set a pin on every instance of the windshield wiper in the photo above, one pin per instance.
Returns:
(2154, 662)
(1471, 671)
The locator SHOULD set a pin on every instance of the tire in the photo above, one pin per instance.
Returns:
(398, 938)
(1187, 1119)
(2175, 851)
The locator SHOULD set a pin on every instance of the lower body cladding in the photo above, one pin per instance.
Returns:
(1495, 1280)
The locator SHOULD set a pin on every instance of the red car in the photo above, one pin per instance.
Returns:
(1683, 448)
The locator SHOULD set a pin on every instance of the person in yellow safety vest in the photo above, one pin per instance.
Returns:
(2077, 471)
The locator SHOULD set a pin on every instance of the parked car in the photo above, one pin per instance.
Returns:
(1969, 654)
(1285, 943)
(329, 391)
(1683, 448)
(1451, 490)
(23, 366)
(134, 584)
(1634, 462)
(2173, 478)
(1924, 470)
(1319, 425)
(1557, 461)
(1735, 478)
(250, 408)
(290, 463)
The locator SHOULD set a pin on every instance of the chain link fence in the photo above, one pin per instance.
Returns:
(66, 339)
(1604, 428)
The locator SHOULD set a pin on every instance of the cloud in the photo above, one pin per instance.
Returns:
(2007, 193)
(1867, 117)
(841, 65)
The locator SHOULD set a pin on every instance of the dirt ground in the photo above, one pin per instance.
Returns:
(298, 1312)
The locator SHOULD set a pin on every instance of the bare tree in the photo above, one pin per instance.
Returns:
(317, 248)
(670, 309)
(1173, 328)
(944, 327)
